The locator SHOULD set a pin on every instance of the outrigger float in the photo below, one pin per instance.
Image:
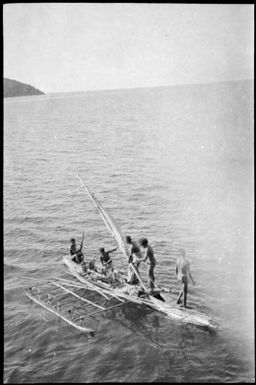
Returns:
(111, 291)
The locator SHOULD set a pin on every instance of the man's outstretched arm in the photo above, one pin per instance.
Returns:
(110, 251)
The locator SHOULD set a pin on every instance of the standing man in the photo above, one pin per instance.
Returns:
(183, 272)
(135, 253)
(135, 258)
(149, 254)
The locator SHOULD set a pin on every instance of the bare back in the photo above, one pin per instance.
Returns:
(182, 268)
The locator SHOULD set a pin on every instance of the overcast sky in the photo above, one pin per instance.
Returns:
(72, 47)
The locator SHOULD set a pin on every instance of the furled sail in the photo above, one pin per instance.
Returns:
(113, 228)
(109, 222)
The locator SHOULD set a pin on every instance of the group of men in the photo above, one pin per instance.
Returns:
(139, 252)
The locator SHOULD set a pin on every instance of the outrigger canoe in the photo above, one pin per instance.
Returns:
(91, 293)
(134, 293)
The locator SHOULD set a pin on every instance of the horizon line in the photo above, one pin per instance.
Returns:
(134, 88)
(146, 87)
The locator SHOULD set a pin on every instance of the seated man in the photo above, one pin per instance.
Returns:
(79, 257)
(72, 249)
(91, 265)
(77, 254)
(105, 259)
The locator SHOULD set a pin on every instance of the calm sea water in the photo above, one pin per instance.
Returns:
(173, 164)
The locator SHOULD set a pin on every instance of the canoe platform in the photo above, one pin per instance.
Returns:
(71, 301)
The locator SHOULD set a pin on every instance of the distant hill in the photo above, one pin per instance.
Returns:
(15, 88)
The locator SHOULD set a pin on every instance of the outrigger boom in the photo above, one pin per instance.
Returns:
(58, 314)
(78, 312)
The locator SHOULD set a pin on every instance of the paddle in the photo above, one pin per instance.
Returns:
(81, 246)
(82, 243)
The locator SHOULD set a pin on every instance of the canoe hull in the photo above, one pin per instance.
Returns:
(171, 310)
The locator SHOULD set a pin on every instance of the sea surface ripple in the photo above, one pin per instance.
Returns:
(173, 164)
